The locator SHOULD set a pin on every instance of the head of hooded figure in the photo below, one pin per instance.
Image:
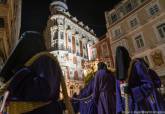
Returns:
(123, 60)
(29, 44)
(101, 66)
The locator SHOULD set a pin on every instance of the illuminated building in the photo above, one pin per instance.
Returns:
(68, 39)
(101, 51)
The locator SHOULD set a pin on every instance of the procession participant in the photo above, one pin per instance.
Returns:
(157, 84)
(154, 76)
(140, 86)
(87, 104)
(104, 90)
(33, 75)
(84, 102)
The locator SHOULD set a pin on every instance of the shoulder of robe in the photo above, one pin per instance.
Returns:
(140, 67)
(40, 55)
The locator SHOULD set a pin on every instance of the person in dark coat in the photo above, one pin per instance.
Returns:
(38, 81)
(142, 93)
(104, 90)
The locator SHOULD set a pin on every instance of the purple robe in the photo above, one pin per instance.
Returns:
(87, 106)
(75, 103)
(39, 82)
(143, 94)
(155, 78)
(104, 92)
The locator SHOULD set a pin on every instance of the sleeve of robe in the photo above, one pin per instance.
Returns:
(155, 78)
(88, 90)
(40, 81)
(139, 93)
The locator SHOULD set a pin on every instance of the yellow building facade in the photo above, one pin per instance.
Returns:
(139, 25)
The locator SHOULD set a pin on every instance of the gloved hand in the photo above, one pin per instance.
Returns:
(127, 89)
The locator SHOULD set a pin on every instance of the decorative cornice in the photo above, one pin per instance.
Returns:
(78, 23)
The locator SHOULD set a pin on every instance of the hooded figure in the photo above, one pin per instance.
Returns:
(33, 75)
(154, 76)
(87, 106)
(141, 90)
(104, 90)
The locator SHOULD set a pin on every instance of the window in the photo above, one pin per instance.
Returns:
(55, 44)
(77, 53)
(61, 47)
(94, 53)
(154, 9)
(77, 43)
(128, 7)
(161, 30)
(139, 41)
(113, 17)
(61, 35)
(69, 49)
(117, 32)
(133, 22)
(2, 24)
(69, 37)
(55, 35)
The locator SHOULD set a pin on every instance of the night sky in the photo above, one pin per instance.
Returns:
(35, 13)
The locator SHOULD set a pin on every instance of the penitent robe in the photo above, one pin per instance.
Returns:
(38, 82)
(87, 106)
(143, 94)
(104, 92)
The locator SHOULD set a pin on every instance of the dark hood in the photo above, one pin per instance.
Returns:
(29, 44)
(122, 62)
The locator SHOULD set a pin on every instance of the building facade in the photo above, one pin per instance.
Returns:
(10, 23)
(68, 39)
(101, 51)
(139, 25)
